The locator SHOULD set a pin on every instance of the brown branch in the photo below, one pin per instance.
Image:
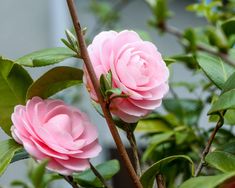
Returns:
(69, 179)
(84, 54)
(174, 31)
(131, 138)
(208, 145)
(160, 181)
(99, 176)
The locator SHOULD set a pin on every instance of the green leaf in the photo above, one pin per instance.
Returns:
(115, 91)
(151, 3)
(207, 181)
(107, 170)
(71, 42)
(190, 36)
(187, 110)
(20, 155)
(217, 38)
(54, 81)
(222, 161)
(215, 69)
(38, 173)
(169, 60)
(105, 82)
(229, 84)
(14, 82)
(229, 27)
(153, 125)
(188, 59)
(7, 151)
(225, 101)
(161, 11)
(48, 178)
(46, 57)
(228, 147)
(19, 183)
(154, 142)
(147, 179)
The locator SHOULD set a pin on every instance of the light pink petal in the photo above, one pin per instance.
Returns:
(123, 38)
(75, 164)
(126, 117)
(145, 104)
(16, 135)
(90, 133)
(77, 125)
(53, 165)
(129, 108)
(48, 151)
(60, 109)
(89, 151)
(32, 150)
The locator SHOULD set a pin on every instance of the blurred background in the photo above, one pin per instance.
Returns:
(30, 25)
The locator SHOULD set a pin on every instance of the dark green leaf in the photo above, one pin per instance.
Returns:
(229, 84)
(7, 151)
(48, 178)
(229, 147)
(161, 11)
(66, 43)
(107, 171)
(190, 36)
(20, 155)
(54, 81)
(188, 59)
(229, 27)
(187, 110)
(169, 60)
(19, 183)
(222, 161)
(207, 181)
(38, 173)
(215, 69)
(115, 91)
(149, 175)
(71, 42)
(217, 38)
(225, 101)
(154, 142)
(46, 57)
(105, 83)
(14, 82)
(153, 125)
(229, 117)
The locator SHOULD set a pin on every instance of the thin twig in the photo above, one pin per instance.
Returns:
(131, 138)
(174, 31)
(99, 176)
(160, 181)
(208, 145)
(84, 54)
(69, 179)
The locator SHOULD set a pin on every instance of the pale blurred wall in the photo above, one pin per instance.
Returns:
(29, 25)
(26, 26)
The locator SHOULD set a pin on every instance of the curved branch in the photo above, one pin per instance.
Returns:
(104, 105)
(174, 31)
(208, 145)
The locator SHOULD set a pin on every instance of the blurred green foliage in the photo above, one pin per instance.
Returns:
(175, 137)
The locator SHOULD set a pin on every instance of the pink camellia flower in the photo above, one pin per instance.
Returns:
(50, 129)
(137, 69)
